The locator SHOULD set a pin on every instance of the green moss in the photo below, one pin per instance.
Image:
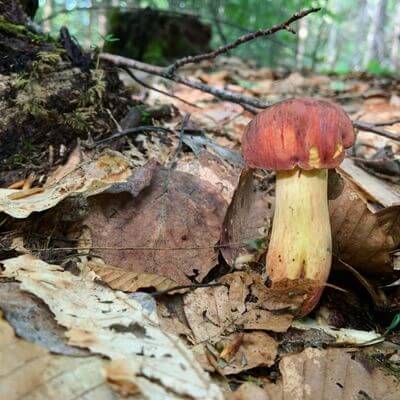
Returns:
(21, 31)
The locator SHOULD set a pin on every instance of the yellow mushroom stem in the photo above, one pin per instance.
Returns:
(301, 246)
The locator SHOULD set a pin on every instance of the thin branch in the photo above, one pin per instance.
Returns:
(189, 287)
(365, 126)
(239, 41)
(252, 103)
(147, 86)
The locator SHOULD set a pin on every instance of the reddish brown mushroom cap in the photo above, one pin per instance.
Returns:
(307, 133)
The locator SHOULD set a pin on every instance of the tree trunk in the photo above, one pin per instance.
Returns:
(376, 50)
(394, 52)
(363, 21)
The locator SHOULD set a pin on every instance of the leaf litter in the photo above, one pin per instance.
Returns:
(154, 225)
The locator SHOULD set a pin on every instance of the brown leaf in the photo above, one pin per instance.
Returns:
(30, 371)
(248, 219)
(255, 349)
(332, 374)
(215, 312)
(127, 281)
(363, 238)
(249, 391)
(174, 225)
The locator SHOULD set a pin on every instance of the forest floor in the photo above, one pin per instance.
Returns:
(133, 265)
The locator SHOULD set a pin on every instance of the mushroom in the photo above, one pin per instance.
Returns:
(300, 139)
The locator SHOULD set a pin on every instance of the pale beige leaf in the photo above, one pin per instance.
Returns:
(332, 374)
(113, 324)
(30, 372)
(128, 281)
(88, 178)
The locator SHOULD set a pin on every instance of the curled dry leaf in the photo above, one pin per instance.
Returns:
(247, 351)
(332, 374)
(128, 281)
(247, 220)
(215, 312)
(362, 237)
(169, 229)
(88, 178)
(115, 325)
(32, 320)
(28, 372)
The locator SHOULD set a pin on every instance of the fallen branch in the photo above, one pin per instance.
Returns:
(124, 62)
(239, 41)
(251, 104)
(365, 126)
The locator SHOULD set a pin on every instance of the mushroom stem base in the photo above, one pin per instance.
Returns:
(301, 246)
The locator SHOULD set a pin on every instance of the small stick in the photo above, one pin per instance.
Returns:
(239, 41)
(147, 86)
(189, 287)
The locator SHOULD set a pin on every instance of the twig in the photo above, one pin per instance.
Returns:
(190, 287)
(239, 41)
(125, 132)
(365, 126)
(147, 86)
(180, 143)
(251, 104)
(237, 98)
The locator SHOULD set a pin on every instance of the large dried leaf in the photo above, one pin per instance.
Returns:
(332, 374)
(247, 220)
(127, 281)
(115, 325)
(32, 320)
(88, 179)
(215, 312)
(30, 372)
(244, 351)
(170, 229)
(362, 238)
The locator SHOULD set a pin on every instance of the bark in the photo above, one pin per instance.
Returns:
(376, 50)
(394, 52)
(361, 32)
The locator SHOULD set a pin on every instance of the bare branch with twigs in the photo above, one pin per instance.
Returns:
(239, 41)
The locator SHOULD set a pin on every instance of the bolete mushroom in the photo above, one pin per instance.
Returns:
(300, 139)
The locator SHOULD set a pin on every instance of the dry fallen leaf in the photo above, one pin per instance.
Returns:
(332, 374)
(127, 281)
(88, 178)
(113, 324)
(247, 220)
(215, 312)
(32, 320)
(169, 229)
(249, 391)
(250, 350)
(363, 238)
(30, 372)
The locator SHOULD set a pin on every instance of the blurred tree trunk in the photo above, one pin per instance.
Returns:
(48, 10)
(394, 52)
(376, 49)
(361, 33)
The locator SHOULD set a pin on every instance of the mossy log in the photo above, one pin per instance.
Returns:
(49, 98)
